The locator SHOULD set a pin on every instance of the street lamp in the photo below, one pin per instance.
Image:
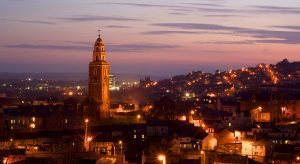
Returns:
(203, 154)
(86, 134)
(258, 109)
(89, 140)
(121, 144)
(192, 112)
(32, 126)
(236, 135)
(187, 95)
(137, 118)
(162, 158)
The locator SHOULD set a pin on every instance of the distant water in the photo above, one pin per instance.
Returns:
(72, 76)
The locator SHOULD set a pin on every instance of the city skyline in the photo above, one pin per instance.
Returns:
(147, 37)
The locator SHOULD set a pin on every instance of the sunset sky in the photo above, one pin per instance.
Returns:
(155, 37)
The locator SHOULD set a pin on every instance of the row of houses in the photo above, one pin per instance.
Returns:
(267, 105)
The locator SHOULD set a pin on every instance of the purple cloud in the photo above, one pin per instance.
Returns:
(177, 13)
(288, 27)
(166, 32)
(116, 26)
(205, 4)
(278, 9)
(194, 7)
(228, 42)
(85, 18)
(145, 5)
(267, 36)
(49, 47)
(223, 15)
(260, 35)
(197, 26)
(28, 21)
(138, 47)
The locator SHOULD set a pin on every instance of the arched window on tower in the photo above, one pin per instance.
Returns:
(95, 72)
(95, 75)
(97, 49)
(97, 58)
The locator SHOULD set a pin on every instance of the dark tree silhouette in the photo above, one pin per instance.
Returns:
(165, 109)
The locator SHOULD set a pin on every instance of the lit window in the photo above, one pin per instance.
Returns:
(66, 121)
(143, 136)
(32, 126)
(33, 119)
(134, 136)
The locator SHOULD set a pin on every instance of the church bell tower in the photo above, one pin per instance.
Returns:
(99, 82)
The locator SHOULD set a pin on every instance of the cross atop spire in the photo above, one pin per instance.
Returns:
(99, 31)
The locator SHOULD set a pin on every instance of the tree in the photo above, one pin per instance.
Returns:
(164, 109)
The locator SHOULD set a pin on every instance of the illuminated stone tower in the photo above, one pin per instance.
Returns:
(99, 82)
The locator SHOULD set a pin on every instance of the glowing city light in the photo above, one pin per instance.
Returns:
(89, 139)
(32, 125)
(237, 133)
(162, 158)
(70, 93)
(259, 108)
(187, 94)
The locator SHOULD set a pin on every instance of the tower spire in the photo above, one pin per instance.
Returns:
(99, 33)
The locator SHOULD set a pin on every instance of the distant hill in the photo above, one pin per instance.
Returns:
(286, 67)
(135, 77)
(71, 76)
